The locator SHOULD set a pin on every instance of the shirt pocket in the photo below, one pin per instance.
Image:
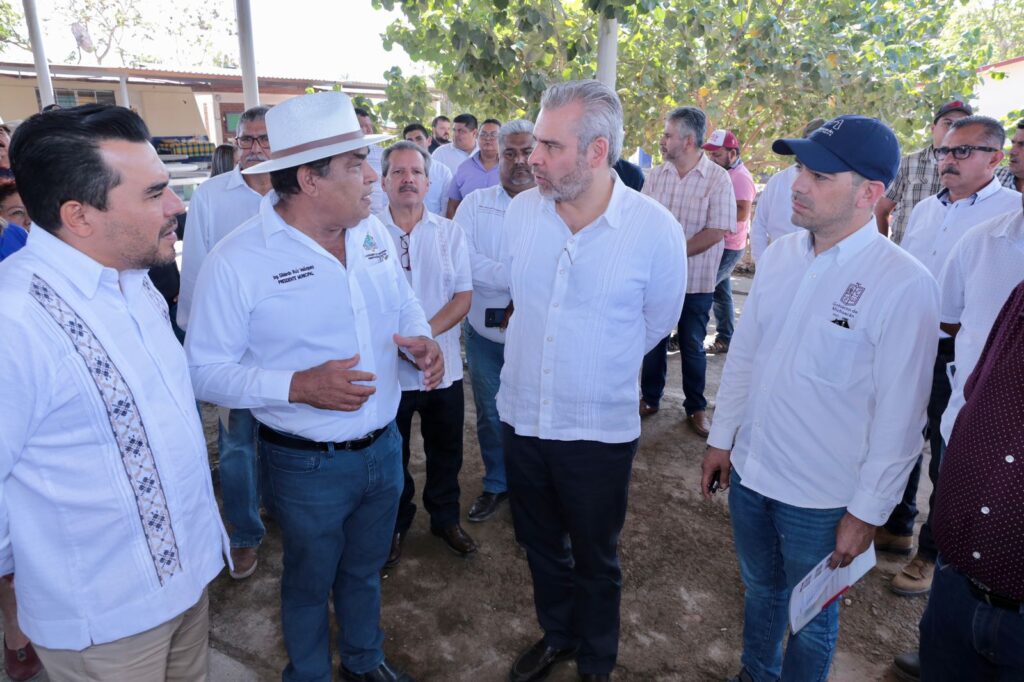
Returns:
(832, 355)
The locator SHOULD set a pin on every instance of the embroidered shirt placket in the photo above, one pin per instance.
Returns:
(552, 331)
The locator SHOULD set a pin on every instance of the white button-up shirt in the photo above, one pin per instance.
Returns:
(270, 301)
(937, 223)
(588, 306)
(773, 216)
(109, 520)
(819, 414)
(482, 216)
(218, 206)
(439, 269)
(984, 268)
(451, 156)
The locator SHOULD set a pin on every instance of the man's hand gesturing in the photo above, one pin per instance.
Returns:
(427, 355)
(331, 386)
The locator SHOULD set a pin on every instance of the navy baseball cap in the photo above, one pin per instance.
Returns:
(848, 143)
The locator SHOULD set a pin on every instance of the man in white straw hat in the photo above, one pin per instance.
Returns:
(300, 315)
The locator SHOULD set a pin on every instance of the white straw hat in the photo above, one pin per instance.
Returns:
(311, 127)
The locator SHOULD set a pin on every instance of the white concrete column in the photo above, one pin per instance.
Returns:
(607, 51)
(35, 36)
(122, 92)
(247, 54)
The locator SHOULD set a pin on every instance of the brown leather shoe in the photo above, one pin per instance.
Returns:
(698, 421)
(395, 555)
(244, 560)
(457, 539)
(892, 543)
(21, 664)
(915, 580)
(647, 410)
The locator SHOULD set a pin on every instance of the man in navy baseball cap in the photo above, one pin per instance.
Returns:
(848, 143)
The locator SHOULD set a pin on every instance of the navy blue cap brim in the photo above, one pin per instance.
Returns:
(812, 155)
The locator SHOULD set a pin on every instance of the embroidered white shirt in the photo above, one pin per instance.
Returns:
(218, 206)
(773, 215)
(588, 306)
(270, 301)
(109, 520)
(822, 398)
(439, 269)
(482, 216)
(984, 268)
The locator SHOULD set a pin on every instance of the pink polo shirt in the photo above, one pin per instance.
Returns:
(743, 188)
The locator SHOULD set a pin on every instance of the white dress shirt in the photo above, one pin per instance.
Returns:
(378, 198)
(773, 216)
(109, 519)
(481, 215)
(270, 301)
(451, 156)
(937, 223)
(820, 415)
(984, 268)
(439, 269)
(218, 206)
(436, 200)
(588, 306)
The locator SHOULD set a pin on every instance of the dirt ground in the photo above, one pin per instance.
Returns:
(452, 619)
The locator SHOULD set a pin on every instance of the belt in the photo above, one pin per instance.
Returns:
(993, 599)
(295, 442)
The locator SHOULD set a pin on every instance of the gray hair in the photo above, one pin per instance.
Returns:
(995, 135)
(690, 121)
(602, 112)
(257, 113)
(403, 145)
(520, 126)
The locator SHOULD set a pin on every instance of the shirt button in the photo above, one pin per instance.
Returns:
(547, 370)
(985, 510)
(555, 304)
(547, 402)
(1009, 459)
(562, 271)
(551, 338)
(976, 555)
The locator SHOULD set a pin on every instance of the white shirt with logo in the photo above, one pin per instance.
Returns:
(822, 399)
(270, 301)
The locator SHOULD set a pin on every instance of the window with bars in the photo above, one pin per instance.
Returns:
(72, 98)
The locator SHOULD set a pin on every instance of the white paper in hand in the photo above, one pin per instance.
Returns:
(823, 585)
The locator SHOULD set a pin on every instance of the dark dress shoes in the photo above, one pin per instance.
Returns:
(536, 662)
(486, 506)
(385, 672)
(395, 555)
(456, 539)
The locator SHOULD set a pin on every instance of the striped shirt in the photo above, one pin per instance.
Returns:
(703, 198)
(1006, 177)
(916, 179)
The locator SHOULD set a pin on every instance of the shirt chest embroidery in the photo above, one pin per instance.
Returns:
(301, 272)
(127, 427)
(373, 252)
(845, 309)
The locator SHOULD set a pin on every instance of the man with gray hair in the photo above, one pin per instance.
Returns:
(432, 253)
(482, 216)
(698, 192)
(597, 273)
(217, 207)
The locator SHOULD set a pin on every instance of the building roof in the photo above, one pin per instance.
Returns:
(997, 65)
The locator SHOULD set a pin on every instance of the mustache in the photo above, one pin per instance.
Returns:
(949, 170)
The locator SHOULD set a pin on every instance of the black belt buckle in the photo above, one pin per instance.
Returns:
(299, 443)
(993, 599)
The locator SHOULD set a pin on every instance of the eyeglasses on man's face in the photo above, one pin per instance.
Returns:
(247, 141)
(960, 153)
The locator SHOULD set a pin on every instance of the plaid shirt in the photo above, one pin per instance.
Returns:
(1006, 178)
(703, 198)
(917, 179)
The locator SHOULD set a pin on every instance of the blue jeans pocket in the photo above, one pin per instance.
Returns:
(292, 461)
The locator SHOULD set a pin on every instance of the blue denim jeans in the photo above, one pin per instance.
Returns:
(963, 639)
(693, 326)
(485, 359)
(725, 311)
(337, 514)
(777, 544)
(240, 478)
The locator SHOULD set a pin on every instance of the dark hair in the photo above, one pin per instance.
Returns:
(257, 113)
(414, 126)
(223, 159)
(992, 129)
(286, 181)
(1020, 124)
(51, 107)
(362, 112)
(493, 121)
(442, 117)
(56, 158)
(468, 120)
(7, 189)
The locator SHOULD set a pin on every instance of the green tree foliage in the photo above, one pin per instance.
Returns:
(408, 99)
(759, 68)
(992, 29)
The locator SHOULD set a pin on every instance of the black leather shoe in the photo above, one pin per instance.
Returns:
(486, 506)
(907, 666)
(536, 662)
(395, 555)
(385, 672)
(456, 539)
(595, 677)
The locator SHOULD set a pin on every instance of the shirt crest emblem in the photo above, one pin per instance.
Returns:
(369, 244)
(852, 294)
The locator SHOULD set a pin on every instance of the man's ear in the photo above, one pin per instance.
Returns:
(78, 218)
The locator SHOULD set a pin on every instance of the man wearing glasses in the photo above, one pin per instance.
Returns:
(478, 171)
(218, 206)
(967, 159)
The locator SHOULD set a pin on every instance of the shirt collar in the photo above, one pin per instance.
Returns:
(984, 193)
(272, 222)
(850, 246)
(1011, 228)
(84, 273)
(613, 214)
(385, 217)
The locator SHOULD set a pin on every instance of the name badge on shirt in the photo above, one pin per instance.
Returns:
(301, 272)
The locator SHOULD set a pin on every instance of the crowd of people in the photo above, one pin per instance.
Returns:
(329, 281)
